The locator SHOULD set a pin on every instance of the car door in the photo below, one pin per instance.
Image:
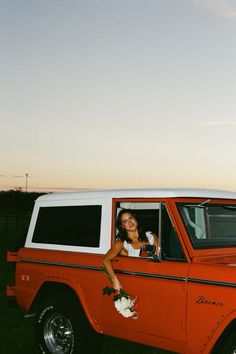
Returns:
(159, 285)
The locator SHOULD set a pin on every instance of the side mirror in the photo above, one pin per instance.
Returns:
(147, 251)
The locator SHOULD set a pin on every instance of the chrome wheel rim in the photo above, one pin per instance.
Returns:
(58, 334)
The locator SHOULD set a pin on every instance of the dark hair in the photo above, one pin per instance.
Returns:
(123, 235)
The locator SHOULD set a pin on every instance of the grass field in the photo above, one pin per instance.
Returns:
(16, 335)
(16, 332)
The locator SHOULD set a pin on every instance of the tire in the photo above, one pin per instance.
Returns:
(61, 327)
(228, 346)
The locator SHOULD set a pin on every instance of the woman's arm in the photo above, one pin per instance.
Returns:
(107, 262)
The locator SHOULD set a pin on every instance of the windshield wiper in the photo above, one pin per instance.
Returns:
(201, 205)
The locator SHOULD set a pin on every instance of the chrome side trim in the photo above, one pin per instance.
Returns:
(80, 266)
(140, 274)
(152, 275)
(59, 264)
(212, 282)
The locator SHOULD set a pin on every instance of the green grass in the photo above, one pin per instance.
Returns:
(16, 332)
(16, 335)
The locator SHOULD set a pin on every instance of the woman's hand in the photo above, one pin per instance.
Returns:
(116, 284)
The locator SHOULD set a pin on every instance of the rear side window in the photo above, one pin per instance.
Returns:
(69, 225)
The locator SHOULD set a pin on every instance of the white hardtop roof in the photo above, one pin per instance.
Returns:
(139, 193)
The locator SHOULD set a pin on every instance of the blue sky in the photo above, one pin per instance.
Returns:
(118, 94)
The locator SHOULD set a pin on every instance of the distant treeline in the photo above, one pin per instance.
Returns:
(17, 200)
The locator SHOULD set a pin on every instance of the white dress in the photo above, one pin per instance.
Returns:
(132, 252)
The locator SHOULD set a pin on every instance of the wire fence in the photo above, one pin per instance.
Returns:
(14, 223)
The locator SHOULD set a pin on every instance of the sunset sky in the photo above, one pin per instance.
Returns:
(117, 94)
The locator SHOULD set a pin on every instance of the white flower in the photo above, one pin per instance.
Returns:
(123, 303)
(125, 307)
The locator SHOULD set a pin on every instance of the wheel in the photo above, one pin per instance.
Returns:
(228, 346)
(61, 327)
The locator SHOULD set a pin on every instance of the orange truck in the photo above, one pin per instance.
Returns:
(186, 292)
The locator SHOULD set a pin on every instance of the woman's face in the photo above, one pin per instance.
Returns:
(129, 222)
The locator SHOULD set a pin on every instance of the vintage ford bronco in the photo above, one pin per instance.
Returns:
(186, 294)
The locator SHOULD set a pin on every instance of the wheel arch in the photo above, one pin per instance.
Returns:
(64, 290)
(224, 335)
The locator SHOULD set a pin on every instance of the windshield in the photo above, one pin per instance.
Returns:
(210, 225)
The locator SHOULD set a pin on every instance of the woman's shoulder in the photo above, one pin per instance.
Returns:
(121, 247)
(151, 236)
(150, 233)
(119, 243)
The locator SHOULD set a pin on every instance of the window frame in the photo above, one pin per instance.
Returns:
(161, 203)
(68, 225)
(201, 244)
(104, 245)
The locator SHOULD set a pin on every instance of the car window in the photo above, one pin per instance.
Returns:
(210, 225)
(69, 225)
(155, 217)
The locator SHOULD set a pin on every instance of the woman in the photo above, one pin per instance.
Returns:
(130, 240)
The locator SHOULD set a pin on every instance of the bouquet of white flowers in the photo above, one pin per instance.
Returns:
(123, 303)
